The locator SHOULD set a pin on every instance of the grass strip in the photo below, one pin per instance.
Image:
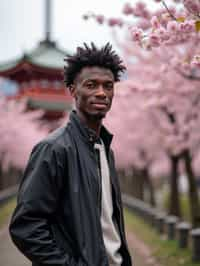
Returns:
(5, 211)
(166, 251)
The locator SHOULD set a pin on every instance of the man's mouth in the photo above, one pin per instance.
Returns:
(101, 105)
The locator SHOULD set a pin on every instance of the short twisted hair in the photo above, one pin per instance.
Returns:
(92, 56)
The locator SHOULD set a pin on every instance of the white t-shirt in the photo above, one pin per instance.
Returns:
(111, 236)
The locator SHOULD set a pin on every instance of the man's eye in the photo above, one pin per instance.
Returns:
(90, 85)
(109, 86)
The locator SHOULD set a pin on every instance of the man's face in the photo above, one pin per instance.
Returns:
(93, 92)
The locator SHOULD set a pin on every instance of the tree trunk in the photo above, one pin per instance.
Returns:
(137, 184)
(193, 190)
(1, 177)
(174, 200)
(151, 192)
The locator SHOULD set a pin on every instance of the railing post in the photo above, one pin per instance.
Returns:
(195, 233)
(183, 234)
(160, 218)
(171, 226)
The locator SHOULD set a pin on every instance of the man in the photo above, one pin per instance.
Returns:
(69, 209)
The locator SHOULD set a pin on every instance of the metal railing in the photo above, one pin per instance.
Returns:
(7, 194)
(171, 226)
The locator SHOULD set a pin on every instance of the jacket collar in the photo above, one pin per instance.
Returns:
(89, 134)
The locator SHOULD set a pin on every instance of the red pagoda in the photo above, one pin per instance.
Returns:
(39, 75)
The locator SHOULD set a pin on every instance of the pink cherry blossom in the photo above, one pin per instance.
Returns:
(187, 26)
(172, 27)
(140, 10)
(115, 22)
(192, 5)
(127, 10)
(154, 40)
(143, 23)
(137, 34)
(155, 22)
(162, 33)
(100, 19)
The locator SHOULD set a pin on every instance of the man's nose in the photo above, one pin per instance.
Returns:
(101, 92)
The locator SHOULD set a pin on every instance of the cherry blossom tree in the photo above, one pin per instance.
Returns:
(176, 37)
(173, 26)
(171, 102)
(169, 74)
(20, 131)
(135, 153)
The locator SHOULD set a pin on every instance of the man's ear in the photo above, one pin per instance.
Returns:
(72, 90)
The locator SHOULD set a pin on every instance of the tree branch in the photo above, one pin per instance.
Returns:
(171, 15)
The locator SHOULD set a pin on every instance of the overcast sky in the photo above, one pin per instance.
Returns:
(22, 24)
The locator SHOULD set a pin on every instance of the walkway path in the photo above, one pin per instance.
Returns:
(10, 256)
(140, 252)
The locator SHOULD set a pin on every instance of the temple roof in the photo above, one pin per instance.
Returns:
(46, 55)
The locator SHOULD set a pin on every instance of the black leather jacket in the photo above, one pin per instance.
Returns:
(57, 220)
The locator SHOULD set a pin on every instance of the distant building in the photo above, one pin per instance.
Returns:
(8, 87)
(39, 76)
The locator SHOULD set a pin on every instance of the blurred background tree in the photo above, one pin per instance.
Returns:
(159, 112)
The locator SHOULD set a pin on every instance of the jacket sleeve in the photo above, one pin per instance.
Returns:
(37, 201)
